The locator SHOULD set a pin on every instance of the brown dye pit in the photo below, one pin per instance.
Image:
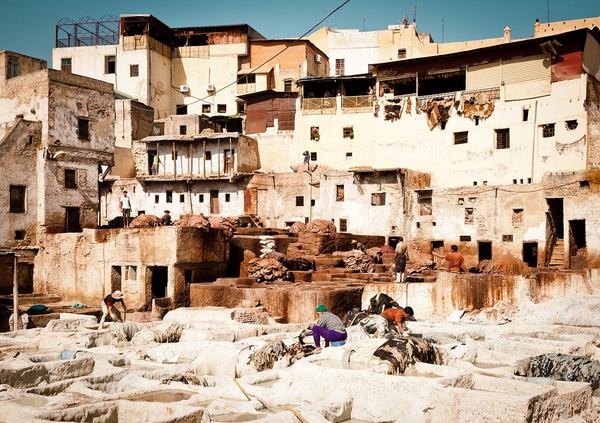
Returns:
(171, 395)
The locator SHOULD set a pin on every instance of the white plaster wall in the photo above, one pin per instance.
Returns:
(134, 86)
(194, 164)
(86, 60)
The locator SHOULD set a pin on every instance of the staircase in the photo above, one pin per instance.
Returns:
(558, 254)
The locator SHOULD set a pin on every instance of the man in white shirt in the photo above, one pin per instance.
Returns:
(400, 259)
(125, 205)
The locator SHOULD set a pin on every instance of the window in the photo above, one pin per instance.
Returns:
(461, 137)
(241, 108)
(584, 184)
(17, 199)
(227, 198)
(70, 179)
(517, 217)
(507, 238)
(571, 124)
(19, 235)
(348, 132)
(424, 201)
(299, 201)
(464, 238)
(548, 130)
(182, 198)
(169, 196)
(72, 219)
(378, 199)
(131, 273)
(343, 225)
(502, 139)
(83, 129)
(287, 85)
(110, 64)
(134, 71)
(221, 108)
(461, 201)
(339, 66)
(14, 67)
(401, 53)
(314, 133)
(207, 155)
(156, 198)
(339, 193)
(525, 114)
(181, 109)
(65, 64)
(206, 108)
(313, 202)
(469, 216)
(182, 129)
(313, 156)
(348, 156)
(201, 198)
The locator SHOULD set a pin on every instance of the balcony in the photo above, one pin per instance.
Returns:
(357, 103)
(246, 88)
(319, 106)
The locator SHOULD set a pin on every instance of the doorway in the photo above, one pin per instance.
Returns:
(72, 219)
(228, 161)
(530, 252)
(214, 202)
(151, 155)
(485, 250)
(555, 209)
(577, 244)
(250, 201)
(115, 278)
(159, 281)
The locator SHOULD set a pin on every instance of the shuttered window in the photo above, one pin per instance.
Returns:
(484, 76)
(525, 69)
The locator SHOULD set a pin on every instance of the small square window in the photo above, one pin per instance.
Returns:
(548, 130)
(17, 199)
(156, 198)
(110, 64)
(502, 139)
(182, 129)
(461, 137)
(70, 179)
(343, 225)
(227, 198)
(401, 53)
(339, 193)
(287, 85)
(425, 203)
(378, 199)
(584, 184)
(299, 201)
(461, 201)
(19, 235)
(469, 215)
(181, 109)
(241, 108)
(517, 217)
(507, 238)
(14, 67)
(206, 108)
(525, 116)
(182, 198)
(348, 132)
(348, 156)
(313, 202)
(221, 108)
(201, 198)
(314, 133)
(169, 196)
(134, 71)
(464, 238)
(571, 124)
(313, 156)
(65, 64)
(339, 67)
(207, 155)
(83, 129)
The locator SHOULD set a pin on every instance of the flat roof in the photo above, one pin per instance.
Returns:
(335, 78)
(188, 138)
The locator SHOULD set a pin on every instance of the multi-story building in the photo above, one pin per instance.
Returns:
(56, 141)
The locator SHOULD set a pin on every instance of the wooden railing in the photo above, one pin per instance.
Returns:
(324, 105)
(357, 103)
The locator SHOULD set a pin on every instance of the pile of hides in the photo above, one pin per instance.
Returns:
(419, 267)
(437, 110)
(403, 352)
(573, 368)
(186, 378)
(300, 263)
(276, 351)
(227, 225)
(477, 105)
(505, 264)
(380, 302)
(358, 262)
(320, 226)
(352, 317)
(167, 332)
(499, 314)
(297, 227)
(140, 334)
(193, 221)
(377, 326)
(392, 112)
(145, 221)
(267, 270)
(125, 331)
(375, 254)
(267, 244)
(303, 167)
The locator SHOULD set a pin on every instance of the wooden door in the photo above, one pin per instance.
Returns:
(214, 202)
(250, 206)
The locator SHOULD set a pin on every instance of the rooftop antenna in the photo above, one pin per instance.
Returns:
(414, 8)
(364, 23)
(443, 18)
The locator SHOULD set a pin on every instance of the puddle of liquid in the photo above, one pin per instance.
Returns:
(237, 417)
(172, 395)
(338, 364)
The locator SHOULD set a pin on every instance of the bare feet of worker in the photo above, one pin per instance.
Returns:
(317, 350)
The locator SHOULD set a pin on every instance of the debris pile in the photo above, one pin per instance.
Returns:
(267, 270)
(320, 226)
(194, 221)
(505, 264)
(145, 221)
(403, 352)
(276, 351)
(480, 104)
(574, 368)
(357, 261)
(227, 225)
(297, 227)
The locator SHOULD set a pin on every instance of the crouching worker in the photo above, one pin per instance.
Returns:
(108, 307)
(329, 326)
(399, 316)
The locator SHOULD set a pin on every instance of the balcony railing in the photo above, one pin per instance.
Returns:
(357, 103)
(246, 88)
(324, 106)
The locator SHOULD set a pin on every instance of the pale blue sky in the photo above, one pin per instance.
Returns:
(27, 26)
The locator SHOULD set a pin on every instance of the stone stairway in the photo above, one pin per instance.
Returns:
(558, 254)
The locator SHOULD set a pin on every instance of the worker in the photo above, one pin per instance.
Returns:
(329, 326)
(125, 205)
(155, 163)
(108, 307)
(387, 248)
(381, 302)
(399, 316)
(400, 259)
(355, 245)
(456, 261)
(166, 219)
